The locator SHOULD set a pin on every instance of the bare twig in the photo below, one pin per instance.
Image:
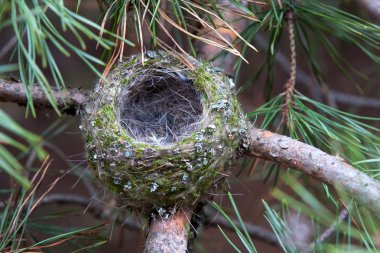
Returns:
(354, 100)
(8, 46)
(92, 207)
(96, 209)
(256, 232)
(291, 83)
(330, 230)
(315, 163)
(67, 101)
(371, 6)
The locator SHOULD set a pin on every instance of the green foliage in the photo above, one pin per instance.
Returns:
(346, 135)
(322, 126)
(282, 231)
(320, 22)
(359, 225)
(37, 34)
(316, 26)
(304, 202)
(8, 162)
(17, 223)
(244, 236)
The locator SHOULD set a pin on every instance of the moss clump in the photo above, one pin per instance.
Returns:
(182, 161)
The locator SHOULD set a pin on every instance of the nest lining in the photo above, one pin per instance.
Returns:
(160, 107)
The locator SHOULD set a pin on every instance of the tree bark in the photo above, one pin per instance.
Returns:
(315, 163)
(168, 235)
(68, 101)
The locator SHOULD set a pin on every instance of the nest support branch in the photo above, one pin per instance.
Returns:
(68, 101)
(168, 235)
(315, 163)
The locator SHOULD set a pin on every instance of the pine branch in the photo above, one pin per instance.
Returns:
(315, 163)
(263, 144)
(73, 100)
(259, 143)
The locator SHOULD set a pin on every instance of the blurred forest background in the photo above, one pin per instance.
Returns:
(63, 142)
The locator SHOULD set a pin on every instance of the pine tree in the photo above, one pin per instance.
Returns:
(313, 149)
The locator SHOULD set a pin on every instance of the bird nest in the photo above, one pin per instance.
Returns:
(162, 134)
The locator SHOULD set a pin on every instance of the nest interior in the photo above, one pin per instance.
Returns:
(162, 134)
(160, 107)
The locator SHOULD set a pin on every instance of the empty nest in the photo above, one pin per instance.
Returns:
(160, 107)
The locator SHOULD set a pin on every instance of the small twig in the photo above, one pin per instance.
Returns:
(291, 83)
(371, 6)
(330, 230)
(359, 101)
(9, 46)
(68, 102)
(256, 232)
(96, 209)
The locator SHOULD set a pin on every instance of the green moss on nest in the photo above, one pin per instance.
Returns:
(145, 175)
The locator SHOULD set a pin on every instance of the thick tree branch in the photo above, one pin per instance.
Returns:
(315, 163)
(68, 102)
